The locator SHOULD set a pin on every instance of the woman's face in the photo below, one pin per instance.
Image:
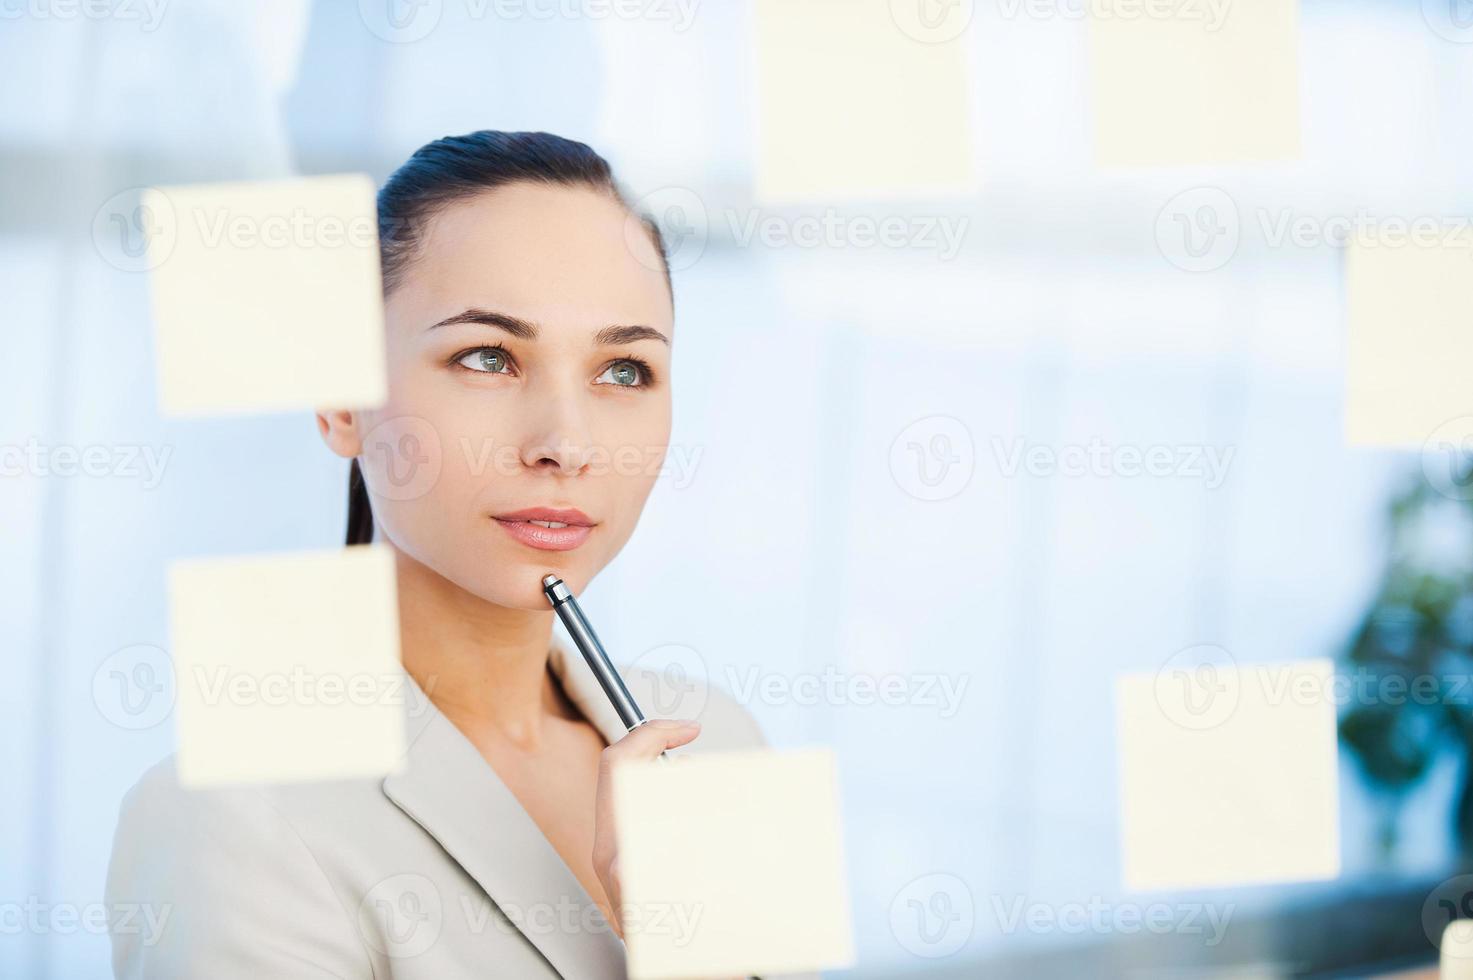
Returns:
(529, 367)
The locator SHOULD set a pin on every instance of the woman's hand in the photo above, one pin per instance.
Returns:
(643, 745)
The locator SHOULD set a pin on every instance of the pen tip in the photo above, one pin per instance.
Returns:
(549, 580)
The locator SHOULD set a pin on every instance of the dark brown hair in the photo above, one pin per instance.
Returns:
(452, 169)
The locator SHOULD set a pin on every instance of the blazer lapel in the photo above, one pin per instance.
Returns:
(449, 789)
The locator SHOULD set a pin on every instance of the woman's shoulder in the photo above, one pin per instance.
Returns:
(216, 870)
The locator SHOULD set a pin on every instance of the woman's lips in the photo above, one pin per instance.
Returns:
(522, 526)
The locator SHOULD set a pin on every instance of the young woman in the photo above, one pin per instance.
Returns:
(529, 322)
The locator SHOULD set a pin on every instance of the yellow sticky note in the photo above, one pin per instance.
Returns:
(731, 864)
(857, 101)
(287, 667)
(1228, 776)
(1409, 300)
(266, 296)
(1455, 959)
(1188, 82)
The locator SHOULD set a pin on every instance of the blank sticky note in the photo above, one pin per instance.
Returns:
(287, 667)
(266, 296)
(1455, 959)
(731, 864)
(850, 105)
(1409, 302)
(1217, 794)
(1180, 84)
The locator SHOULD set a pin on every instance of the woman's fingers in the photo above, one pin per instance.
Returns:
(650, 739)
(644, 744)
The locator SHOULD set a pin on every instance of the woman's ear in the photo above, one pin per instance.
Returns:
(342, 431)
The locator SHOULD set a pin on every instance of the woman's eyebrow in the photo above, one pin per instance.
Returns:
(527, 330)
(515, 326)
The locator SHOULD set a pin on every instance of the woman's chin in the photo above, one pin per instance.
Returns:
(517, 582)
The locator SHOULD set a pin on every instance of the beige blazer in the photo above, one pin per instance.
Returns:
(434, 873)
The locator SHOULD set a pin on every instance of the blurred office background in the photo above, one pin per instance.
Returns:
(853, 412)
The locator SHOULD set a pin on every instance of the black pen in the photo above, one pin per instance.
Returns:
(588, 644)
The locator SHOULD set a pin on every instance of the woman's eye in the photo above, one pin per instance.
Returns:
(488, 360)
(624, 374)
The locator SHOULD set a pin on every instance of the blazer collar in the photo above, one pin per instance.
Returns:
(449, 789)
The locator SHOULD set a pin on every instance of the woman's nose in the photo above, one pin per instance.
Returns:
(559, 439)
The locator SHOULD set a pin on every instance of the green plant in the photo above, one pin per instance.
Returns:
(1411, 655)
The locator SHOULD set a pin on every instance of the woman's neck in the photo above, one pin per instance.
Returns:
(483, 665)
